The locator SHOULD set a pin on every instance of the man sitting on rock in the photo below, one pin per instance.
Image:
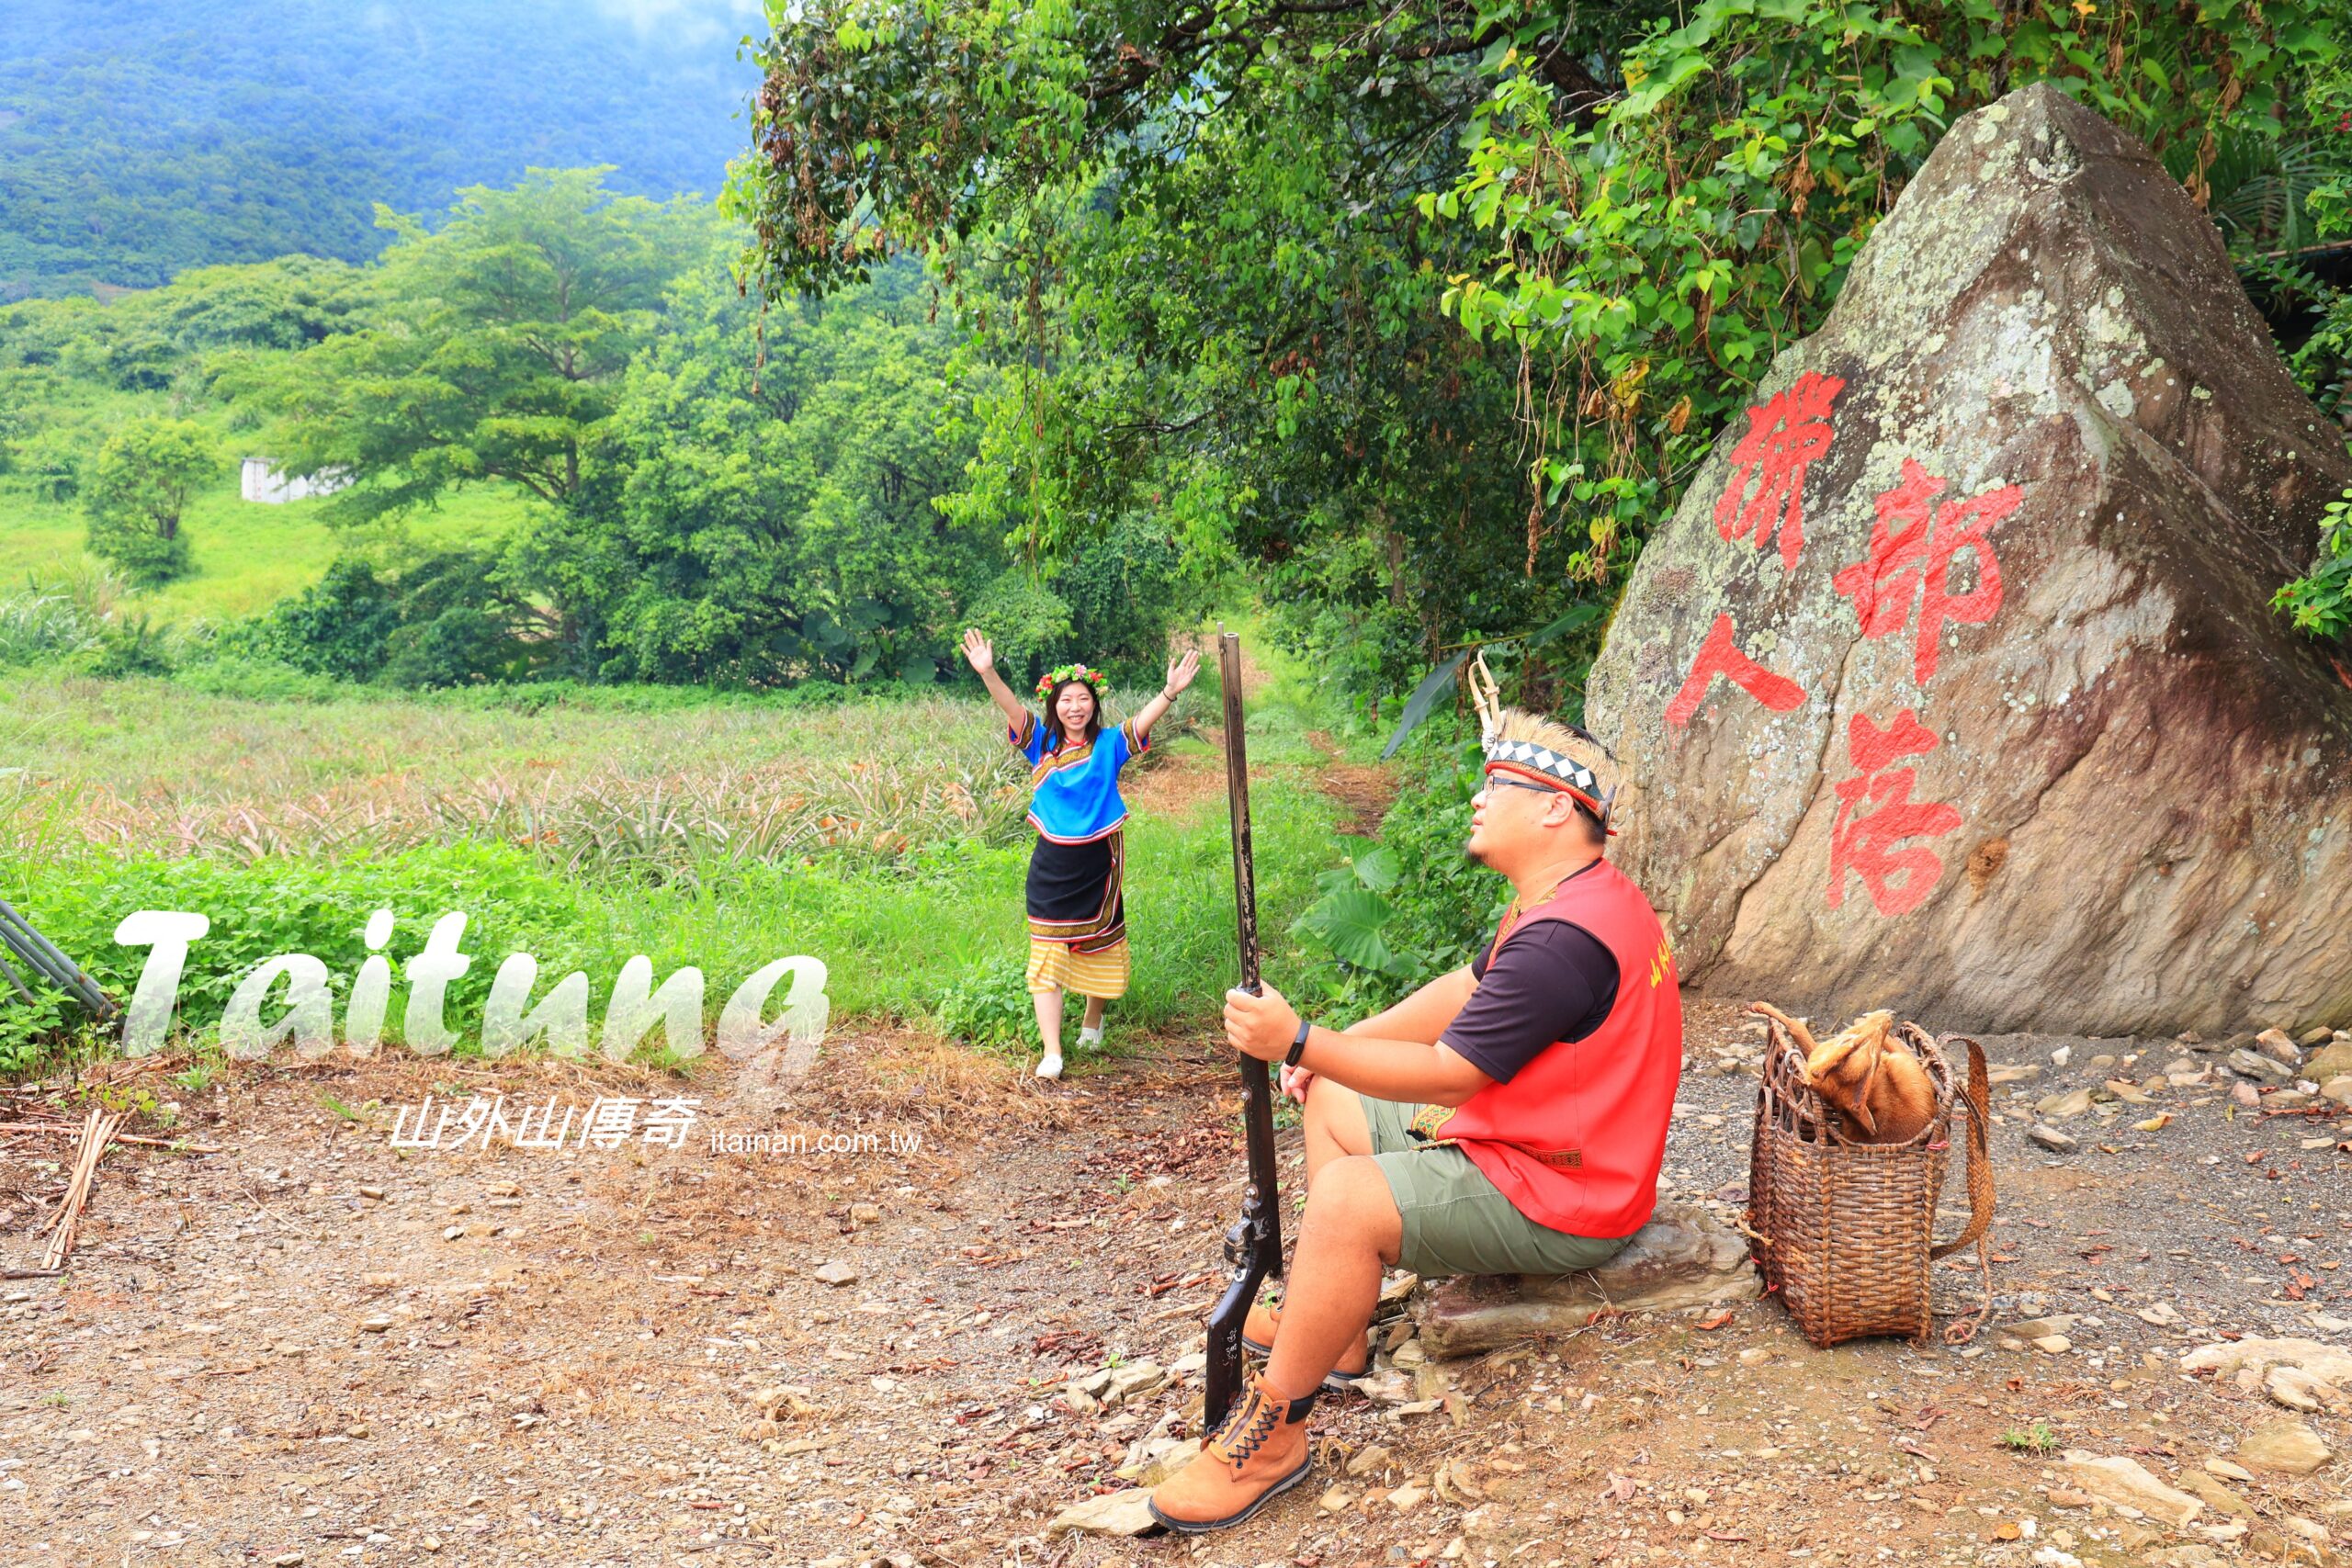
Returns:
(1509, 1118)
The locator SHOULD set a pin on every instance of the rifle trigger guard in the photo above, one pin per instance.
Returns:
(1241, 1241)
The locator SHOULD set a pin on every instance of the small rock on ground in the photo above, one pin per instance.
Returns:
(1114, 1513)
(2287, 1448)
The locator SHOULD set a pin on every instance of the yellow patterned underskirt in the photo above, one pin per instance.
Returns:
(1053, 966)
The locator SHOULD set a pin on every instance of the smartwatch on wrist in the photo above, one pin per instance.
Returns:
(1297, 1044)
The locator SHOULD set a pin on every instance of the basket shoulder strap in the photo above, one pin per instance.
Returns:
(1977, 1103)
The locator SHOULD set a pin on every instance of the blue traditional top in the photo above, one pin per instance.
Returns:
(1074, 790)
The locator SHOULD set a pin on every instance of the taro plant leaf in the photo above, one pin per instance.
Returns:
(1349, 922)
(1378, 869)
(1435, 687)
(1331, 882)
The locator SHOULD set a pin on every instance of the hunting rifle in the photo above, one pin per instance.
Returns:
(1254, 1246)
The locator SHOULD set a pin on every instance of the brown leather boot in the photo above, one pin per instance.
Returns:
(1258, 1453)
(1257, 1339)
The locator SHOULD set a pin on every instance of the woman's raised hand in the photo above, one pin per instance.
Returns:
(977, 649)
(1180, 671)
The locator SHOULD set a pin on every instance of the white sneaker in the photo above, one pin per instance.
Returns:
(1088, 1037)
(1051, 1067)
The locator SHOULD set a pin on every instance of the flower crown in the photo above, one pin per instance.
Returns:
(1056, 676)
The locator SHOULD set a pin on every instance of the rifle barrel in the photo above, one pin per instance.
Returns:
(1254, 1246)
(1237, 792)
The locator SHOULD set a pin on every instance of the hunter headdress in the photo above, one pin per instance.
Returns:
(1061, 673)
(1543, 751)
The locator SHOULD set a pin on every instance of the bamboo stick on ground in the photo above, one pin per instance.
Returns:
(67, 1130)
(97, 1134)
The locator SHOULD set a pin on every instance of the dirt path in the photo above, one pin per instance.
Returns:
(1366, 789)
(316, 1343)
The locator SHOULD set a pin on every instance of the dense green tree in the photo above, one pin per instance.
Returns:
(338, 625)
(52, 461)
(495, 347)
(42, 333)
(2318, 184)
(1654, 283)
(729, 494)
(444, 619)
(749, 521)
(761, 508)
(289, 302)
(71, 369)
(1214, 244)
(137, 489)
(1123, 590)
(1242, 347)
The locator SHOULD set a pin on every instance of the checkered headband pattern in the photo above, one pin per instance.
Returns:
(1534, 761)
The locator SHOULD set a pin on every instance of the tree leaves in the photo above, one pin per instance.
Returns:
(137, 489)
(1435, 687)
(2320, 602)
(495, 349)
(1193, 263)
(1438, 684)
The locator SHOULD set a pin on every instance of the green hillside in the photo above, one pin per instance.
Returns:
(139, 140)
(247, 556)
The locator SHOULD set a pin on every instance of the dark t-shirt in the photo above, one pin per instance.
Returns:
(1552, 981)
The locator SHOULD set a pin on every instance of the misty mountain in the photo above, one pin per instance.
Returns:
(136, 140)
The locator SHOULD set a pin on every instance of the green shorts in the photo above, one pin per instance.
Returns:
(1456, 1221)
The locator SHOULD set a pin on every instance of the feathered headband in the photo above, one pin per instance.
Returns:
(1528, 755)
(1056, 676)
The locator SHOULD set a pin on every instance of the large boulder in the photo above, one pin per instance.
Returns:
(1952, 686)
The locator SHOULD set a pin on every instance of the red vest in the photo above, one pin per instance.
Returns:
(1575, 1138)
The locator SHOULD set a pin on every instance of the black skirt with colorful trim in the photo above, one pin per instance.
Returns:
(1074, 893)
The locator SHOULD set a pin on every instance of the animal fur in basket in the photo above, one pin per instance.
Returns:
(1875, 1089)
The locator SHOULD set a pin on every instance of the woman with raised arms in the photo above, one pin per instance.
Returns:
(1077, 926)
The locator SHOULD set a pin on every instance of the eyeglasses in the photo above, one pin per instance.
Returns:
(1491, 782)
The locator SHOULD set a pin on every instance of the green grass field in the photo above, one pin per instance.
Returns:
(884, 839)
(247, 555)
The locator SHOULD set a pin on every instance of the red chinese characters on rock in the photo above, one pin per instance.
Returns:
(1719, 655)
(1785, 434)
(1863, 843)
(1913, 541)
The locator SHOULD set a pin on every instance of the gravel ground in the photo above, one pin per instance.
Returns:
(314, 1346)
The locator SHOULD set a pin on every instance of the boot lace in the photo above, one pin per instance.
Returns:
(1246, 1427)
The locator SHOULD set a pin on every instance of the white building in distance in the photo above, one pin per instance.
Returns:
(261, 480)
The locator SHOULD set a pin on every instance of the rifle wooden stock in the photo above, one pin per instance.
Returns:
(1253, 1247)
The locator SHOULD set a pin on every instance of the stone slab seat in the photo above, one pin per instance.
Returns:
(1683, 1258)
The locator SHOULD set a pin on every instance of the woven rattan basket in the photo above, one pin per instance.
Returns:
(1845, 1232)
